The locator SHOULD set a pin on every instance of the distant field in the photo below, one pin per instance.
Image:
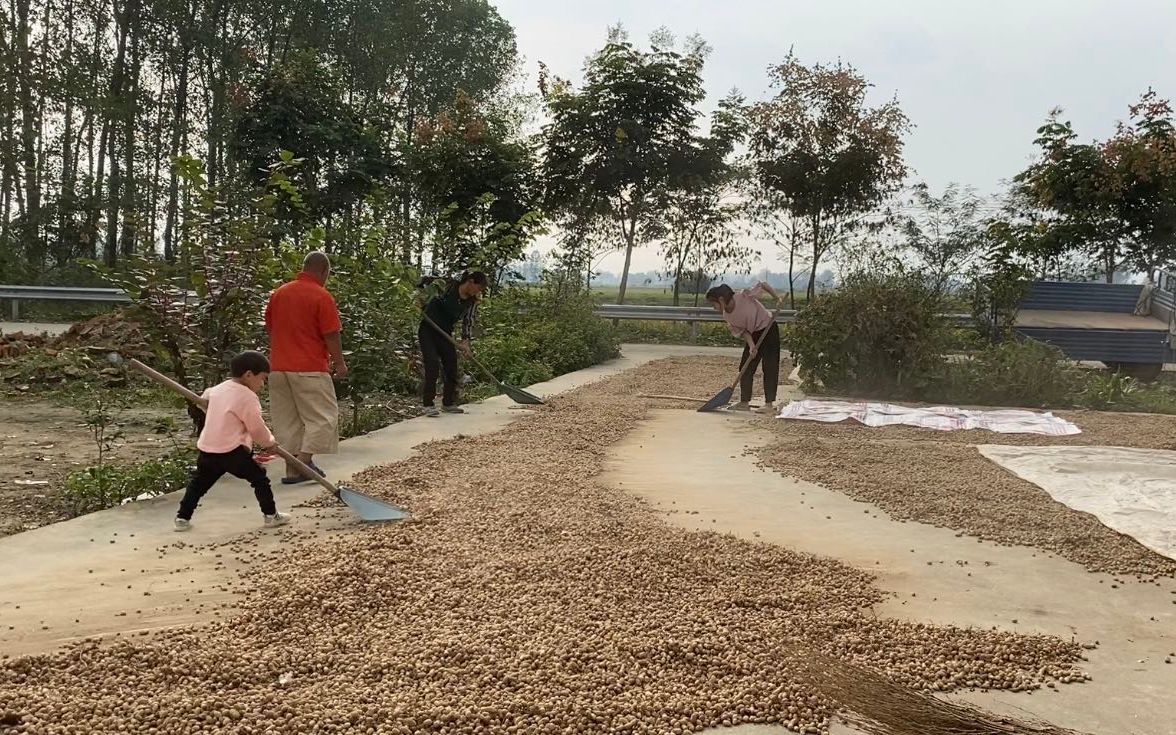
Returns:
(643, 295)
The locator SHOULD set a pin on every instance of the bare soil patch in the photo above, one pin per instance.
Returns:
(41, 443)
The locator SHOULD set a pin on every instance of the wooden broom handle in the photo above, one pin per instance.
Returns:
(183, 390)
(162, 379)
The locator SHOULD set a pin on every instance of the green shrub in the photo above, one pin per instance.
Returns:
(373, 412)
(1107, 390)
(879, 333)
(1012, 373)
(108, 484)
(380, 317)
(532, 335)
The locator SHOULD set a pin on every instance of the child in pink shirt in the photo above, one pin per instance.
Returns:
(748, 319)
(233, 424)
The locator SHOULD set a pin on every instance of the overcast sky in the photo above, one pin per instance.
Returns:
(975, 78)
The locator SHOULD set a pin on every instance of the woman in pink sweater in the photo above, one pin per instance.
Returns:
(232, 425)
(748, 319)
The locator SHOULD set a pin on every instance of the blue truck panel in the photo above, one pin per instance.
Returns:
(1088, 342)
(1104, 345)
(1113, 298)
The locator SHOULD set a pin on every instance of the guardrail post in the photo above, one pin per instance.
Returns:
(16, 310)
(693, 329)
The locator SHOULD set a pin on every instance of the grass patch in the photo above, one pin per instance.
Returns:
(109, 484)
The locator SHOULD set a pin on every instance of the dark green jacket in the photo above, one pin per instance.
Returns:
(448, 308)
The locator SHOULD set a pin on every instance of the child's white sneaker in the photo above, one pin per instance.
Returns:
(432, 412)
(277, 519)
(182, 524)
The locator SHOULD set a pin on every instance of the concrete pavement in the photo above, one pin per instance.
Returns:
(34, 328)
(678, 458)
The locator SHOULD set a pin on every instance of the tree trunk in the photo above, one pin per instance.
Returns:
(68, 162)
(129, 234)
(630, 235)
(155, 185)
(30, 231)
(817, 252)
(96, 189)
(678, 268)
(216, 63)
(684, 252)
(114, 187)
(8, 174)
(406, 193)
(179, 124)
(792, 276)
(42, 167)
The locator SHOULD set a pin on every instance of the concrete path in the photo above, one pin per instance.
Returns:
(34, 328)
(679, 456)
(125, 571)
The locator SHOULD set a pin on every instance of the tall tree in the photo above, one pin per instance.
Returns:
(831, 158)
(1113, 200)
(299, 107)
(614, 148)
(703, 209)
(945, 233)
(479, 184)
(1142, 156)
(1072, 184)
(99, 97)
(770, 219)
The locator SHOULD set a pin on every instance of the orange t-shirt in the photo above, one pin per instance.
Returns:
(299, 314)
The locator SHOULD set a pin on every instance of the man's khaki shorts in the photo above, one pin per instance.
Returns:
(305, 412)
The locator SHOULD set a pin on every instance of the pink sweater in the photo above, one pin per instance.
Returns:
(749, 315)
(233, 419)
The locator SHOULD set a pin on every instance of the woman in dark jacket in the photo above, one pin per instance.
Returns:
(452, 301)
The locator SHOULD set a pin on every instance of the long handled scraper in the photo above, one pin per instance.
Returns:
(368, 508)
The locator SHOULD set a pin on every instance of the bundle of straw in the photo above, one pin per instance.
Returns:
(878, 706)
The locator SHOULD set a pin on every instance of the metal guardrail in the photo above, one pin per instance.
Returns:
(59, 293)
(692, 315)
(673, 313)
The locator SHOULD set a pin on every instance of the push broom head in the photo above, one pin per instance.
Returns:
(720, 400)
(369, 508)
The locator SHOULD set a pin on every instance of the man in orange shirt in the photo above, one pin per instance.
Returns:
(304, 328)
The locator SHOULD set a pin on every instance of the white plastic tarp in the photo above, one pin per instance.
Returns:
(1132, 491)
(940, 418)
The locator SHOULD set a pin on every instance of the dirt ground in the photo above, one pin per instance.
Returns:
(41, 442)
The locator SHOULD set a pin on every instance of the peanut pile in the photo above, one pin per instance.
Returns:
(940, 478)
(523, 597)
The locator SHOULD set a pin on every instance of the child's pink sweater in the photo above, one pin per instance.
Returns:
(233, 419)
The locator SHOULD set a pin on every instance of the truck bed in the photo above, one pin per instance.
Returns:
(1045, 319)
